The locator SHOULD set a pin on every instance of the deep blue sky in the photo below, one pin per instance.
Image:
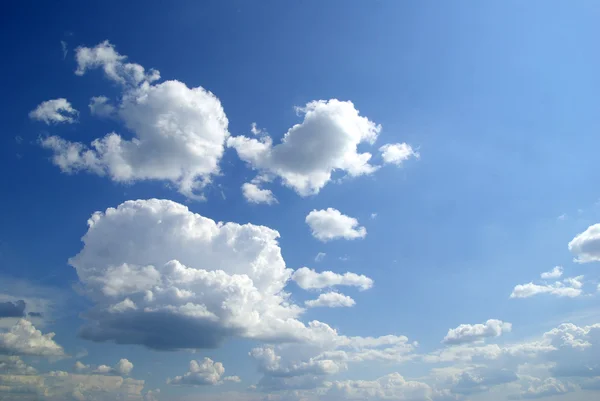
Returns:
(500, 99)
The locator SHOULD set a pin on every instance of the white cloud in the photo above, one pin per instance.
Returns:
(255, 130)
(330, 224)
(572, 290)
(326, 141)
(533, 388)
(467, 333)
(397, 153)
(309, 279)
(64, 48)
(121, 368)
(254, 194)
(389, 387)
(14, 365)
(320, 256)
(205, 372)
(179, 132)
(586, 245)
(331, 300)
(24, 339)
(556, 272)
(80, 367)
(194, 282)
(480, 379)
(54, 111)
(100, 106)
(106, 57)
(373, 216)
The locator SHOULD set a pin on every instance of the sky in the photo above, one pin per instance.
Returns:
(299, 200)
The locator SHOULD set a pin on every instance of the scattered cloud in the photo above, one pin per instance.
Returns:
(309, 279)
(331, 300)
(468, 333)
(330, 224)
(373, 216)
(54, 111)
(397, 153)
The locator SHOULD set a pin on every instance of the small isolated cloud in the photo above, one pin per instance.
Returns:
(255, 130)
(373, 216)
(203, 373)
(309, 279)
(254, 194)
(331, 300)
(397, 153)
(320, 256)
(54, 111)
(554, 273)
(468, 333)
(64, 48)
(12, 309)
(586, 245)
(100, 106)
(24, 339)
(570, 287)
(330, 224)
(324, 142)
(121, 368)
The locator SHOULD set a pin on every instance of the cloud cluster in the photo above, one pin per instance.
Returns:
(205, 372)
(330, 224)
(54, 111)
(179, 132)
(24, 339)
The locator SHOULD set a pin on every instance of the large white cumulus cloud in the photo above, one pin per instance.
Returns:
(179, 132)
(167, 278)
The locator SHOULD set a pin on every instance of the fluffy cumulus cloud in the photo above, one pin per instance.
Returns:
(309, 279)
(324, 142)
(397, 153)
(24, 339)
(586, 245)
(535, 388)
(556, 272)
(122, 368)
(100, 106)
(205, 372)
(179, 132)
(331, 300)
(54, 111)
(570, 287)
(162, 276)
(12, 309)
(331, 224)
(467, 333)
(254, 194)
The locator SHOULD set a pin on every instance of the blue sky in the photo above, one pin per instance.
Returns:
(481, 124)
